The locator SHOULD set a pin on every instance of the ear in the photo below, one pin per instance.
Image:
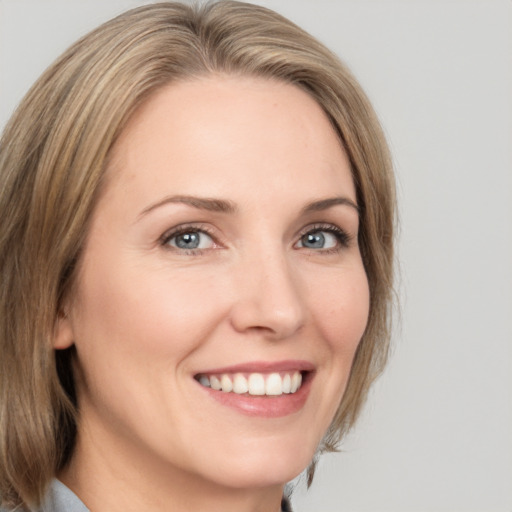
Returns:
(63, 337)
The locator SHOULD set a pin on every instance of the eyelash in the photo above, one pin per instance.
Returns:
(343, 238)
(181, 230)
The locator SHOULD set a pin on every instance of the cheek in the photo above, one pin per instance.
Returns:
(341, 308)
(146, 311)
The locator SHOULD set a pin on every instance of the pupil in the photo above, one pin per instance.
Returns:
(187, 241)
(314, 240)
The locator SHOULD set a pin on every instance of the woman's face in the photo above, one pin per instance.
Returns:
(222, 252)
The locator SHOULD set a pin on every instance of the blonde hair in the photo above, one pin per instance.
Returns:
(52, 160)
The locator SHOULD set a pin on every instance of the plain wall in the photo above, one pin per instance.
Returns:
(437, 432)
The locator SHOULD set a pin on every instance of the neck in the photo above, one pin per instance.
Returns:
(119, 480)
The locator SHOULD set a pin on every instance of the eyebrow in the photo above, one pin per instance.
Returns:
(325, 204)
(201, 203)
(225, 206)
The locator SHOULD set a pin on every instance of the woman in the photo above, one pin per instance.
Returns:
(196, 246)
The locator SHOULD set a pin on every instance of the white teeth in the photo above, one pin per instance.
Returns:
(240, 385)
(226, 384)
(257, 384)
(287, 383)
(296, 382)
(215, 383)
(274, 385)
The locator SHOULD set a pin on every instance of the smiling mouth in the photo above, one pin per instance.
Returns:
(254, 384)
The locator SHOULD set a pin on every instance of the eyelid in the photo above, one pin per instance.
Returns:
(187, 228)
(343, 237)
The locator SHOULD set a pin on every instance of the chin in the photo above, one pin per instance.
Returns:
(271, 474)
(264, 466)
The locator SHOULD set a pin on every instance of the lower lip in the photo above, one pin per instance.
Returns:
(264, 406)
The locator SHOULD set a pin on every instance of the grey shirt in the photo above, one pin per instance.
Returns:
(60, 498)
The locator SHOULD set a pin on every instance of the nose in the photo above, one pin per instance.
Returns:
(268, 299)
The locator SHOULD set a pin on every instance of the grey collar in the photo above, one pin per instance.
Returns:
(60, 498)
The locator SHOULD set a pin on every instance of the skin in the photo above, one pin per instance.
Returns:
(146, 316)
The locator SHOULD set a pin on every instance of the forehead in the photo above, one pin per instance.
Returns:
(208, 135)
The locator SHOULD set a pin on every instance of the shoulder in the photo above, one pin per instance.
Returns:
(61, 499)
(58, 498)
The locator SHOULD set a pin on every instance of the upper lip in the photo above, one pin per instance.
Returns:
(263, 367)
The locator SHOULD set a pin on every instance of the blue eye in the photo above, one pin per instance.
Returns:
(190, 240)
(318, 240)
(324, 238)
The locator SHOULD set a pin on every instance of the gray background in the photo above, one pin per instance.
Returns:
(437, 432)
